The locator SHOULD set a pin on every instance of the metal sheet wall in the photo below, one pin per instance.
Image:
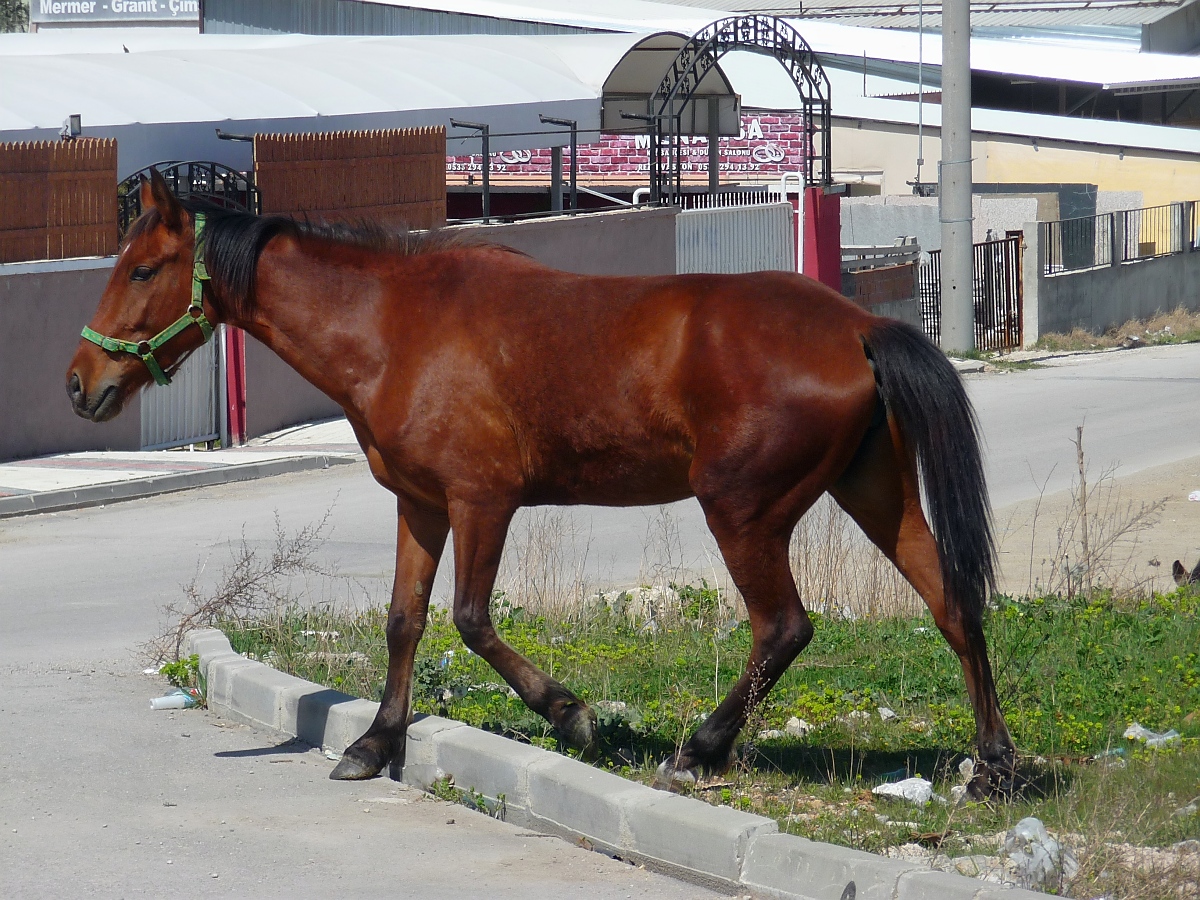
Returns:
(187, 411)
(355, 17)
(736, 239)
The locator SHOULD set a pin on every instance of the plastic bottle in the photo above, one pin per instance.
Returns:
(183, 698)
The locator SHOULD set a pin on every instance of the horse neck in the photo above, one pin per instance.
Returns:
(311, 309)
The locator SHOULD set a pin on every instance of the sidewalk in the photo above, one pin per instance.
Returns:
(73, 480)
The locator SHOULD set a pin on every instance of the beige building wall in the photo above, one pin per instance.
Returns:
(885, 154)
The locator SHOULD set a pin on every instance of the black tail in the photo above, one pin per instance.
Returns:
(926, 397)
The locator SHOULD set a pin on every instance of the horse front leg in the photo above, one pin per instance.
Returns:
(479, 534)
(420, 540)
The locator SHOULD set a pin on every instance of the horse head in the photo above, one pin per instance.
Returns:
(137, 334)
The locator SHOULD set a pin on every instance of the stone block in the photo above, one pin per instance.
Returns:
(487, 763)
(218, 678)
(577, 797)
(258, 693)
(305, 712)
(346, 723)
(937, 886)
(997, 892)
(420, 749)
(786, 865)
(691, 834)
(205, 642)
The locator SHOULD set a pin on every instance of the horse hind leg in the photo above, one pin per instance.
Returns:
(880, 491)
(756, 555)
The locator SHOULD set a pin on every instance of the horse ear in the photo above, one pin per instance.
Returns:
(160, 197)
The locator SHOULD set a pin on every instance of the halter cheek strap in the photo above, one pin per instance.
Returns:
(144, 350)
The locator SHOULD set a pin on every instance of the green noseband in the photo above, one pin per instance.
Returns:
(194, 315)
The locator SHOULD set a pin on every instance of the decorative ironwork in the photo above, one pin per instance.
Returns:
(764, 35)
(205, 180)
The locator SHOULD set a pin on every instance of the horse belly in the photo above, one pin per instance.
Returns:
(618, 476)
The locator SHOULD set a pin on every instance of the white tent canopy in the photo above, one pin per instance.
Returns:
(163, 93)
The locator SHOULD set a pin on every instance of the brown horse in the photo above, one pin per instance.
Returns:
(478, 381)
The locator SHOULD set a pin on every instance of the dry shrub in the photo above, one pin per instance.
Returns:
(544, 571)
(250, 588)
(1096, 545)
(840, 572)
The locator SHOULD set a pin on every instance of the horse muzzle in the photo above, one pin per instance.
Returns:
(102, 404)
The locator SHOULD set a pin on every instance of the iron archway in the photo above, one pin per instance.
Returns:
(205, 180)
(764, 35)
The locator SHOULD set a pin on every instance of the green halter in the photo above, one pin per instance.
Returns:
(195, 314)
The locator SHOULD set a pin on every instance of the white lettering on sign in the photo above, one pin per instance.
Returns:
(184, 6)
(67, 7)
(134, 6)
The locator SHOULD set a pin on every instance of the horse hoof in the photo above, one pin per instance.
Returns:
(578, 729)
(353, 767)
(673, 779)
(994, 783)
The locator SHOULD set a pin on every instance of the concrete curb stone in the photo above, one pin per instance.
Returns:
(136, 488)
(926, 885)
(777, 863)
(715, 845)
(589, 803)
(488, 763)
(708, 840)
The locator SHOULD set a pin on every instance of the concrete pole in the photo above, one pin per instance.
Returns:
(958, 308)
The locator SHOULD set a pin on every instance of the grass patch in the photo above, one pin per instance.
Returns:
(1072, 674)
(1178, 327)
(996, 360)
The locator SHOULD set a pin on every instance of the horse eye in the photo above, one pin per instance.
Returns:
(142, 273)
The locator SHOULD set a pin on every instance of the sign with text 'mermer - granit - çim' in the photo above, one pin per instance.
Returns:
(111, 12)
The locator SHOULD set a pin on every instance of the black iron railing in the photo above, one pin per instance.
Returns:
(204, 180)
(1110, 239)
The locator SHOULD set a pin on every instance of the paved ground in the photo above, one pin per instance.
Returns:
(101, 797)
(70, 480)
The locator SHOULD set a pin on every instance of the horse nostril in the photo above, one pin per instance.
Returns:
(75, 389)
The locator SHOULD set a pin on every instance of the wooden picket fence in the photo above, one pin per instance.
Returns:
(397, 177)
(58, 199)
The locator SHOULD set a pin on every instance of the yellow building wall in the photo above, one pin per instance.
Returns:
(872, 147)
(1162, 178)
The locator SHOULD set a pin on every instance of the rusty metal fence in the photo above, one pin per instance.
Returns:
(996, 290)
(58, 199)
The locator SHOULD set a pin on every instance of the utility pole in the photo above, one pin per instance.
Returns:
(954, 191)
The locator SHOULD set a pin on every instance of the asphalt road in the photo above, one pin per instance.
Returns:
(99, 796)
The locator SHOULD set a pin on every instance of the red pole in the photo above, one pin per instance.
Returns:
(235, 382)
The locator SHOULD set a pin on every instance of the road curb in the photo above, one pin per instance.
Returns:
(713, 845)
(135, 488)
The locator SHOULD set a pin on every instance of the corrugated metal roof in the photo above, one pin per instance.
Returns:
(904, 13)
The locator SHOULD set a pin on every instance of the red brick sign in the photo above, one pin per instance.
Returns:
(769, 145)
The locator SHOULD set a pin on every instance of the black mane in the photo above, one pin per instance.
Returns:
(233, 240)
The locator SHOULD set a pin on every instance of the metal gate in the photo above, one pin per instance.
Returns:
(188, 410)
(995, 287)
(722, 236)
(191, 410)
